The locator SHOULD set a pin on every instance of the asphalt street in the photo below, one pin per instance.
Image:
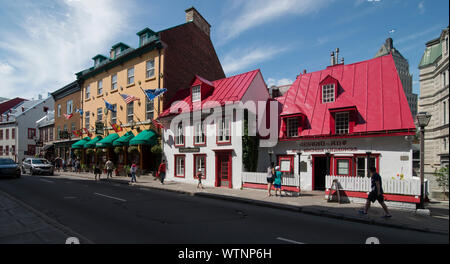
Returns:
(106, 212)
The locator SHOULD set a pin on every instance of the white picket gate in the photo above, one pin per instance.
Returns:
(261, 178)
(391, 186)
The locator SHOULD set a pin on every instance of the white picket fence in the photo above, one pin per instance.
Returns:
(391, 186)
(261, 178)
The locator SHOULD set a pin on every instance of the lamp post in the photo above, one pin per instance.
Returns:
(270, 152)
(423, 118)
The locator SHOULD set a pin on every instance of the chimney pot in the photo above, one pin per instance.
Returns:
(342, 60)
(192, 15)
(332, 58)
(304, 71)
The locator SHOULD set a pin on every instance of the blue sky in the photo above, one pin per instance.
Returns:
(44, 43)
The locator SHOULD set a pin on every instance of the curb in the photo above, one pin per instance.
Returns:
(291, 208)
(66, 230)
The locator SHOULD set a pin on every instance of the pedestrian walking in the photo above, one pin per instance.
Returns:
(63, 164)
(97, 171)
(58, 164)
(162, 171)
(199, 176)
(277, 181)
(133, 171)
(109, 168)
(77, 166)
(376, 193)
(270, 178)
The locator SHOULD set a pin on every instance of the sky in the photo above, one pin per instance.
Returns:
(44, 43)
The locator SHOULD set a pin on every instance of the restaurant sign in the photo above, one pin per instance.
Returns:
(324, 146)
(188, 150)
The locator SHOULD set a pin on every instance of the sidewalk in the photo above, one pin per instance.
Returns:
(308, 202)
(21, 224)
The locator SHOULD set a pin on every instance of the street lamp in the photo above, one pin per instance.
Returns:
(423, 118)
(270, 152)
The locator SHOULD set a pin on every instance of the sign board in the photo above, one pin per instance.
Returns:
(99, 126)
(188, 150)
(285, 165)
(303, 166)
(404, 157)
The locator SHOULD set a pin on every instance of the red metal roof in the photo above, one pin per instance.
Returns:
(5, 106)
(229, 89)
(372, 86)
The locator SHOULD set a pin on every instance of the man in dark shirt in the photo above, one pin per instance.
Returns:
(376, 194)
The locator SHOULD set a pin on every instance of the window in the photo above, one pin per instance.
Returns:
(99, 87)
(1, 150)
(50, 136)
(72, 127)
(196, 95)
(328, 93)
(292, 127)
(200, 165)
(444, 79)
(224, 131)
(31, 150)
(88, 91)
(114, 114)
(69, 107)
(144, 39)
(130, 75)
(199, 134)
(31, 133)
(99, 114)
(13, 150)
(1, 134)
(341, 123)
(65, 127)
(445, 112)
(114, 82)
(179, 135)
(343, 166)
(7, 150)
(149, 109)
(179, 165)
(445, 143)
(117, 51)
(58, 132)
(130, 112)
(13, 133)
(6, 133)
(286, 164)
(59, 110)
(87, 119)
(150, 69)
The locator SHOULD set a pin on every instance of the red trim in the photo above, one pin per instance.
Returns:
(328, 80)
(350, 160)
(313, 156)
(343, 109)
(204, 132)
(287, 157)
(387, 197)
(264, 186)
(195, 166)
(175, 165)
(354, 135)
(230, 167)
(217, 134)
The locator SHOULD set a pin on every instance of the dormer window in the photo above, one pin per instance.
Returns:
(342, 123)
(143, 39)
(292, 126)
(196, 93)
(328, 93)
(342, 120)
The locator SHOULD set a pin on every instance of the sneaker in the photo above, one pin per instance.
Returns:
(362, 212)
(386, 216)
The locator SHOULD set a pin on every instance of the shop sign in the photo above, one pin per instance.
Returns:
(324, 146)
(99, 126)
(188, 150)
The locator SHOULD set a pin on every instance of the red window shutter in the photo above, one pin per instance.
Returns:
(332, 125)
(283, 128)
(351, 121)
(300, 125)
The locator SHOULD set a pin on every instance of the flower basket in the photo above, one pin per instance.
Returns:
(118, 150)
(133, 149)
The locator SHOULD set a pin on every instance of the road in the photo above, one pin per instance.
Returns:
(106, 212)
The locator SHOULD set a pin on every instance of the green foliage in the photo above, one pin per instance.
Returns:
(250, 145)
(118, 150)
(90, 151)
(99, 151)
(156, 149)
(133, 149)
(126, 169)
(442, 178)
(77, 152)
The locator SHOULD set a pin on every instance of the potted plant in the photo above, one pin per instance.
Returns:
(118, 150)
(156, 149)
(132, 149)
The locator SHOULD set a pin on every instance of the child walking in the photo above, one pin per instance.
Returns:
(97, 171)
(199, 176)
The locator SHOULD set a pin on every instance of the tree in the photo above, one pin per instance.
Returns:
(250, 146)
(442, 178)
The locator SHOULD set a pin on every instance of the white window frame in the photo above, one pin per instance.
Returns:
(149, 111)
(199, 133)
(179, 135)
(180, 166)
(196, 93)
(342, 123)
(338, 168)
(99, 87)
(292, 126)
(99, 114)
(224, 133)
(59, 110)
(69, 107)
(114, 114)
(87, 119)
(114, 82)
(130, 112)
(200, 165)
(150, 71)
(328, 93)
(130, 76)
(88, 91)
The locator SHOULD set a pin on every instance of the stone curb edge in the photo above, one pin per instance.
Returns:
(66, 230)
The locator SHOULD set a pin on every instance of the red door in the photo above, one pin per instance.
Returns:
(223, 169)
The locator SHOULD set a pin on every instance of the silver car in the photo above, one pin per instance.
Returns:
(37, 166)
(8, 168)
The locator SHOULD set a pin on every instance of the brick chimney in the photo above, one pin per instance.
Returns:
(192, 15)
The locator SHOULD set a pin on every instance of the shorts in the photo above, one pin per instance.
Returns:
(277, 186)
(97, 171)
(269, 180)
(373, 196)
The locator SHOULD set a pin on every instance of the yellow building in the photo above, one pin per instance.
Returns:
(166, 59)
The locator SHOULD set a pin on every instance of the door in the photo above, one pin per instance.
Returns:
(223, 169)
(320, 170)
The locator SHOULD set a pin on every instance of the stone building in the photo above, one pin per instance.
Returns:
(434, 94)
(402, 66)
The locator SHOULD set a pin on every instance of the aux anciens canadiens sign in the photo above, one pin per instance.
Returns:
(324, 146)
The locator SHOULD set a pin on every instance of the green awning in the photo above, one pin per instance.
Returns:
(107, 141)
(80, 143)
(146, 137)
(124, 140)
(92, 142)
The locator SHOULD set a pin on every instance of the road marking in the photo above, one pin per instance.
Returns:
(46, 181)
(288, 240)
(111, 197)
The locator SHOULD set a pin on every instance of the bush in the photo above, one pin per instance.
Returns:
(118, 150)
(442, 178)
(156, 149)
(99, 151)
(133, 149)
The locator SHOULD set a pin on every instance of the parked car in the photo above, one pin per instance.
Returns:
(8, 168)
(37, 166)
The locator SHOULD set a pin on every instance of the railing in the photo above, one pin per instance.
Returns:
(390, 186)
(261, 178)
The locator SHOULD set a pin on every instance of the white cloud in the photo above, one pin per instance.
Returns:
(52, 42)
(5, 68)
(435, 29)
(421, 7)
(257, 12)
(240, 59)
(282, 81)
